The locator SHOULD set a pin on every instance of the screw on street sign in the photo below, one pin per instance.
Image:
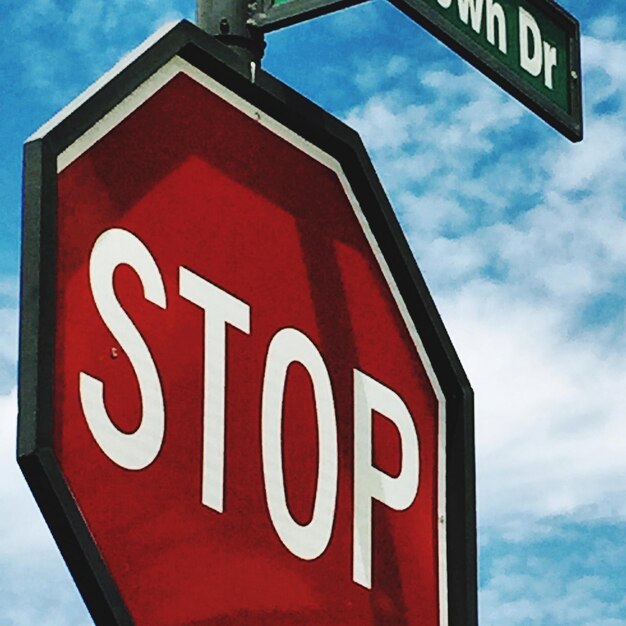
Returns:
(238, 404)
(531, 48)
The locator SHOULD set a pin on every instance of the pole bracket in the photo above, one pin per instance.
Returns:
(230, 21)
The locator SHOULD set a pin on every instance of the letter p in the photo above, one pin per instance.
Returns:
(370, 483)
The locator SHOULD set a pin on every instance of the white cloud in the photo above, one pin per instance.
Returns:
(519, 254)
(35, 587)
(605, 26)
(596, 163)
(372, 75)
(549, 415)
(94, 31)
(429, 154)
(554, 589)
(8, 335)
(22, 528)
(353, 22)
(8, 346)
(605, 57)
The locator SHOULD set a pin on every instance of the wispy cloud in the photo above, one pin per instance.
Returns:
(549, 416)
(570, 576)
(35, 587)
(8, 348)
(522, 261)
(95, 32)
(8, 331)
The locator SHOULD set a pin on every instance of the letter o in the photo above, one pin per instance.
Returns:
(306, 541)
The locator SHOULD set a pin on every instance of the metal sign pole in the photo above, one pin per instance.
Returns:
(228, 21)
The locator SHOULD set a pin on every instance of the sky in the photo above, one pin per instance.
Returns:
(521, 237)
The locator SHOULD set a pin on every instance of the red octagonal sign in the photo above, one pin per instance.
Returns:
(238, 404)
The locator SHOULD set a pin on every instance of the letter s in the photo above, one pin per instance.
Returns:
(136, 450)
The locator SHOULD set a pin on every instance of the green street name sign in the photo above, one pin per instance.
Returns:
(531, 48)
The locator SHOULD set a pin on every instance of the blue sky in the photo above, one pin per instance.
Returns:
(521, 237)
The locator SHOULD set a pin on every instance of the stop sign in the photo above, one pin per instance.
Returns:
(238, 404)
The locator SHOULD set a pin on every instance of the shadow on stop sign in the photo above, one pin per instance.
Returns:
(245, 415)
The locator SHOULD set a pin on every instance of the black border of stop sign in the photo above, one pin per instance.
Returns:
(37, 322)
